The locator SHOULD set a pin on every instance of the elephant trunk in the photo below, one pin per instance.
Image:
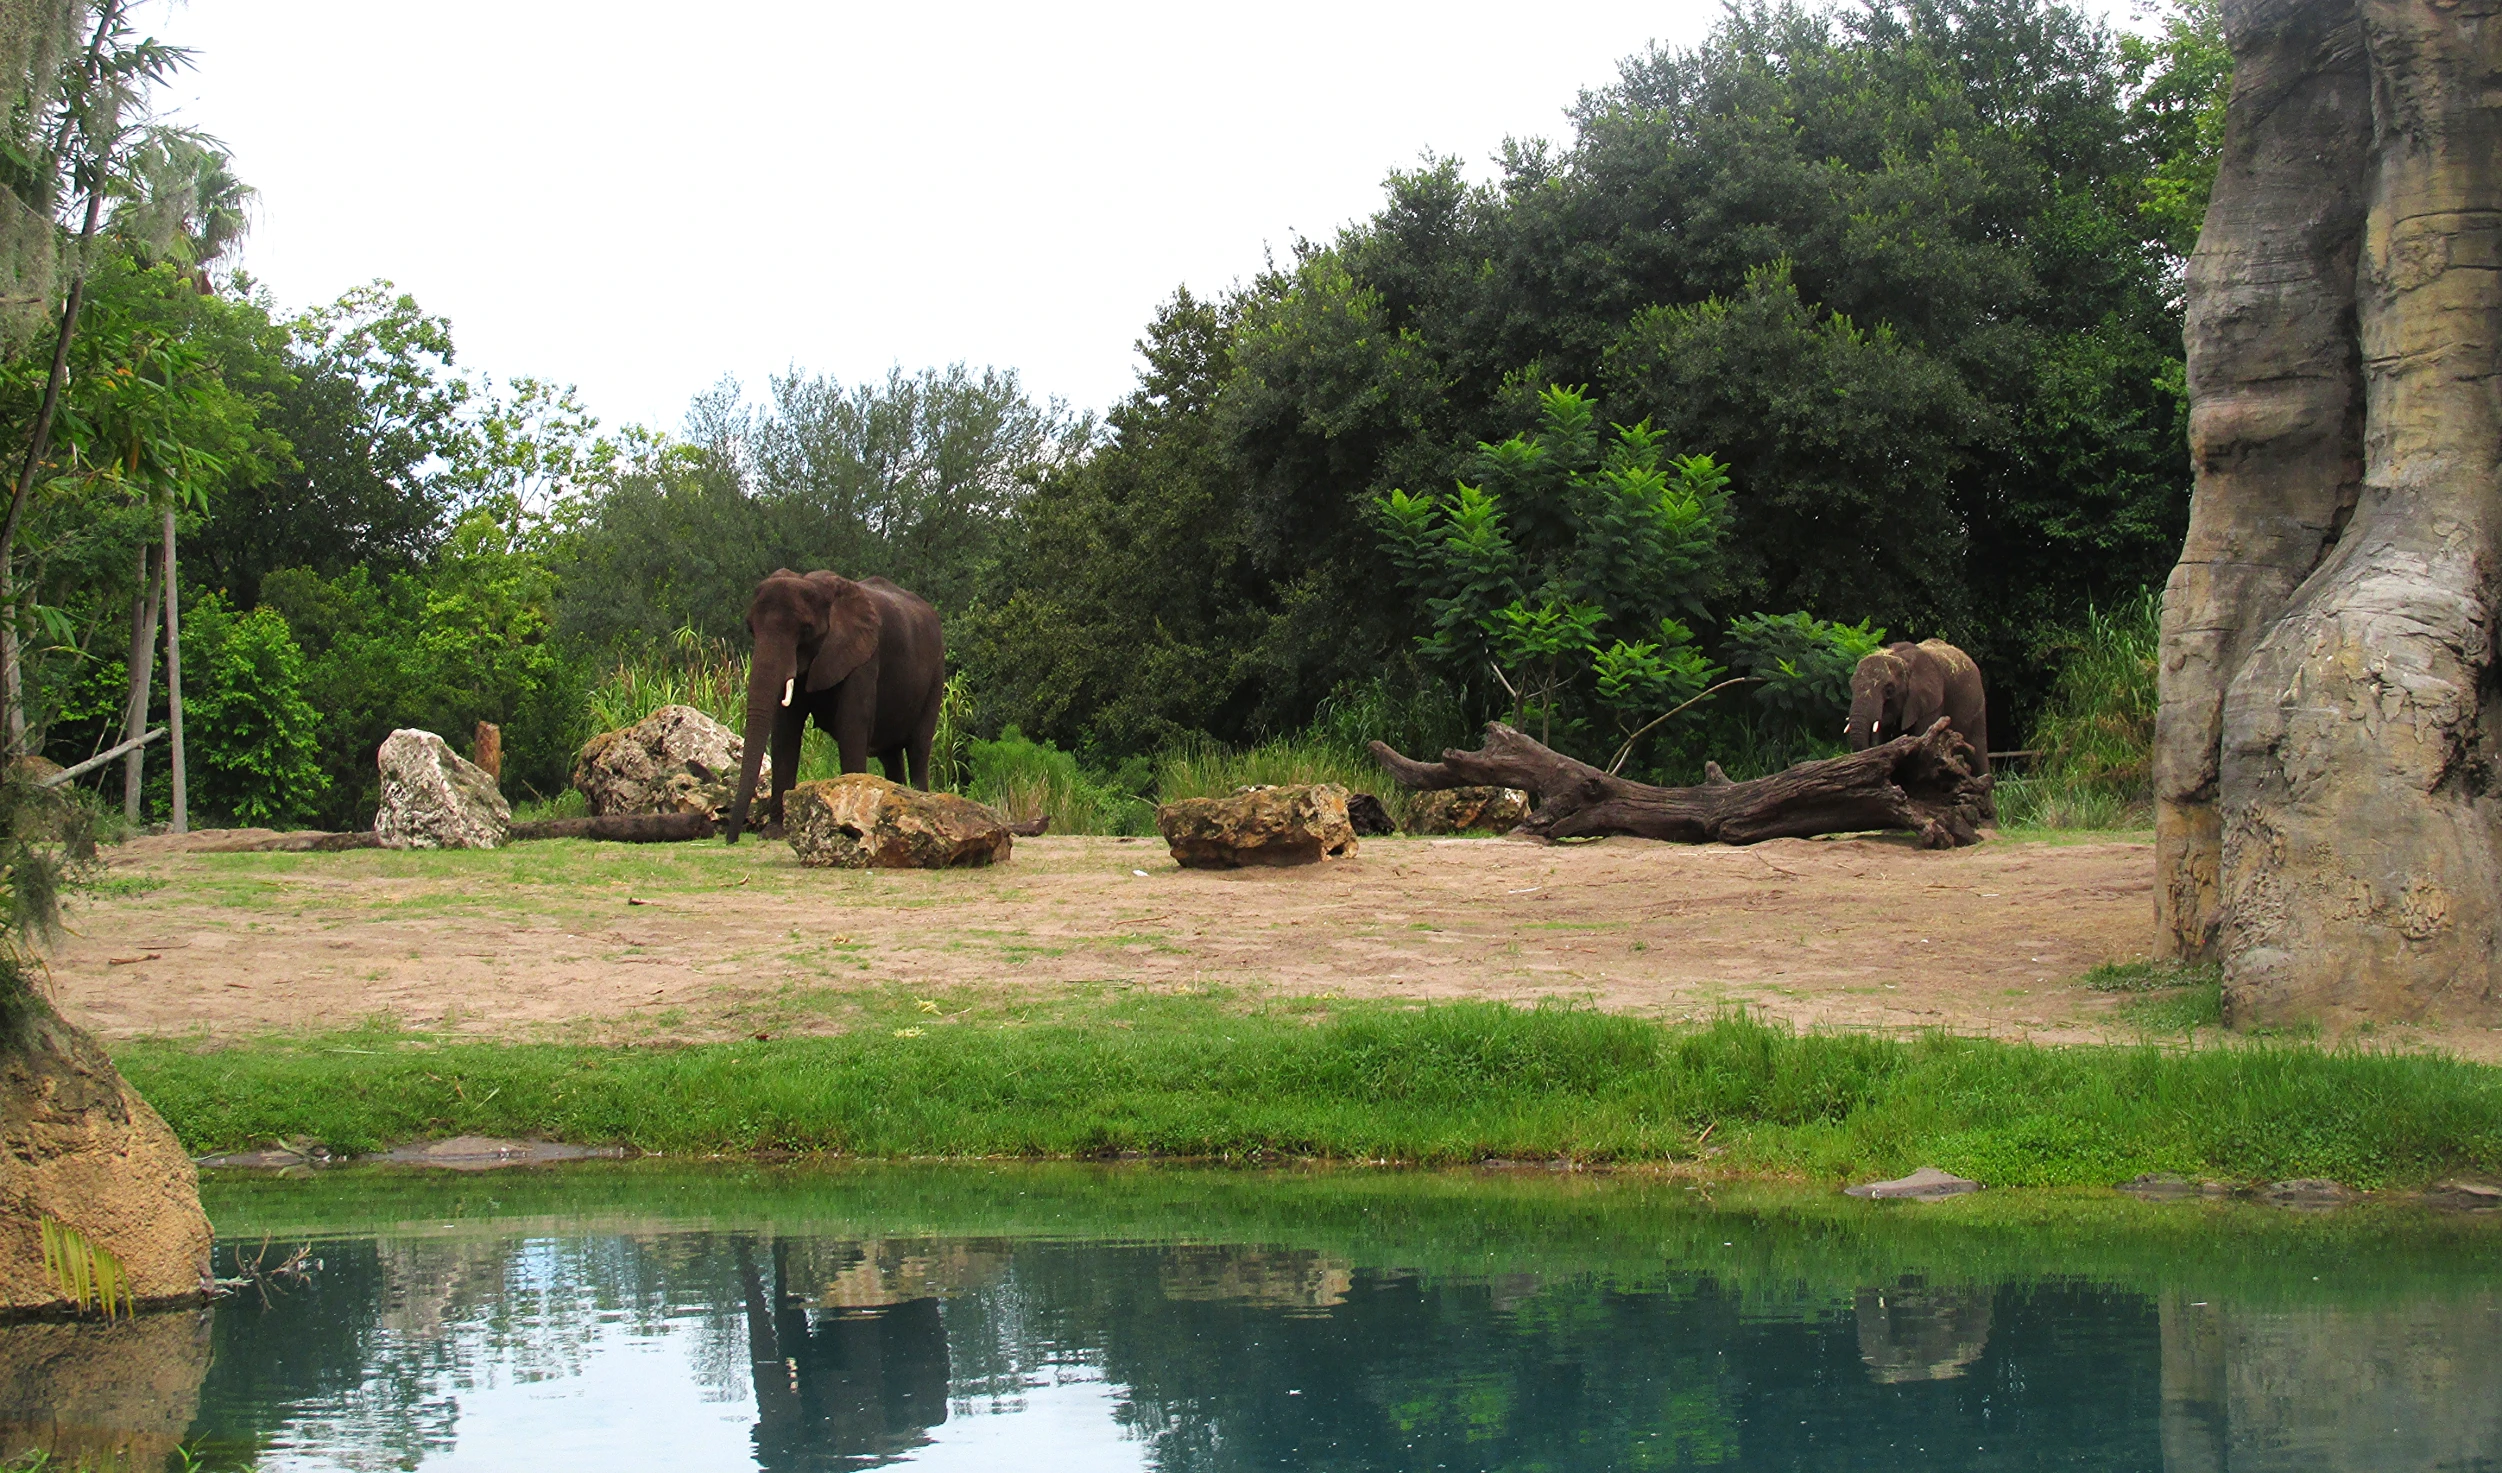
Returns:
(1863, 730)
(768, 679)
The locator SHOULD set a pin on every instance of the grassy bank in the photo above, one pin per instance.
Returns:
(1199, 1077)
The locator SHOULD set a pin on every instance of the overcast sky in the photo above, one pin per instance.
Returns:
(639, 198)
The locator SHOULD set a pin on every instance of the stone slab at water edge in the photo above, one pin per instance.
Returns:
(433, 798)
(676, 760)
(857, 821)
(1300, 824)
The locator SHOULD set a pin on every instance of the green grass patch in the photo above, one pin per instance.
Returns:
(1207, 1077)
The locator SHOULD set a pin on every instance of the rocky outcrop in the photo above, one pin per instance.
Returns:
(2330, 732)
(1300, 824)
(78, 1146)
(676, 760)
(1928, 1184)
(857, 821)
(1457, 810)
(433, 798)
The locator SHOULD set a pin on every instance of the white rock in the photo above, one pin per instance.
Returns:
(676, 760)
(432, 798)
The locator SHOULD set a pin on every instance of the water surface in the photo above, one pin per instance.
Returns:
(645, 1315)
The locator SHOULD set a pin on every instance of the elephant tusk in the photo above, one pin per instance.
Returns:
(788, 686)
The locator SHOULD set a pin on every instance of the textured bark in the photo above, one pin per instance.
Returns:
(622, 828)
(1925, 784)
(2357, 834)
(2276, 394)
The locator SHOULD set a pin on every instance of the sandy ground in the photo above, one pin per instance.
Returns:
(705, 941)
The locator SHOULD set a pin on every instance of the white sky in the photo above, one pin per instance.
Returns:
(638, 198)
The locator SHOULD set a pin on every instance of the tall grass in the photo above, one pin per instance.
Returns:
(688, 669)
(1026, 780)
(1194, 1076)
(2096, 734)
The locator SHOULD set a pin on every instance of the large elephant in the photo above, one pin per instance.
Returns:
(1904, 687)
(864, 658)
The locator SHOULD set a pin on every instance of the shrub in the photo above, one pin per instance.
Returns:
(252, 740)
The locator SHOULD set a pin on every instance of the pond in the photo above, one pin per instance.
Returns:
(655, 1316)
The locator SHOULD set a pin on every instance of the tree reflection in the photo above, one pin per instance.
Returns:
(840, 1386)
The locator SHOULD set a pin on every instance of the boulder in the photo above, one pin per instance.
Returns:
(676, 760)
(1299, 824)
(1369, 816)
(433, 798)
(1457, 810)
(857, 821)
(83, 1149)
(1928, 1184)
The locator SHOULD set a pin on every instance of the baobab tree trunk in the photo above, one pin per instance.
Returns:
(2354, 827)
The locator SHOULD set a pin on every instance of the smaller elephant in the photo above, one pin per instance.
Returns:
(1905, 687)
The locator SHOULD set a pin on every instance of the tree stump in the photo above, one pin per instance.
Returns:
(2329, 745)
(1928, 784)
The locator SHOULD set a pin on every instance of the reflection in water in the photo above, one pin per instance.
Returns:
(1747, 1343)
(1912, 1332)
(2359, 1390)
(119, 1394)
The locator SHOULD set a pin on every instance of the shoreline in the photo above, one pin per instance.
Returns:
(1199, 1079)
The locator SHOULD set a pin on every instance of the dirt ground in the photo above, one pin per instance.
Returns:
(618, 942)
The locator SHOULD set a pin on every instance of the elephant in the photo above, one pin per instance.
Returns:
(864, 658)
(1904, 687)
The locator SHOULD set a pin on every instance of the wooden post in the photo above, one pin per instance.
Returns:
(487, 750)
(173, 678)
(143, 620)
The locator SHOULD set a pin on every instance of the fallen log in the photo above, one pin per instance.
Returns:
(622, 828)
(1926, 784)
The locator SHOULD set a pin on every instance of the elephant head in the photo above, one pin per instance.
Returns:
(810, 634)
(1888, 688)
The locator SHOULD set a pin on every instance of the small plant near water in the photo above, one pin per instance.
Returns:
(87, 1274)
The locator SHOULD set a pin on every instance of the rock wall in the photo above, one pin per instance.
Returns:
(77, 1145)
(2327, 749)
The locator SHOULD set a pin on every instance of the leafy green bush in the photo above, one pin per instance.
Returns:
(252, 739)
(1804, 662)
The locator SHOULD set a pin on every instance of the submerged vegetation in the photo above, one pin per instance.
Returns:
(1199, 1077)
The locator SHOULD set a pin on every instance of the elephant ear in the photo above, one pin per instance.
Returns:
(852, 621)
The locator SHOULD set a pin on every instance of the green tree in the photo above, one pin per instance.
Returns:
(255, 753)
(373, 412)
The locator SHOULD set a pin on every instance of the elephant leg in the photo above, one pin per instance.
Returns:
(891, 760)
(788, 727)
(918, 756)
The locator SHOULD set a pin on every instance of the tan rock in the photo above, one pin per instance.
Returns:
(676, 760)
(79, 1146)
(434, 798)
(1300, 824)
(1457, 810)
(858, 821)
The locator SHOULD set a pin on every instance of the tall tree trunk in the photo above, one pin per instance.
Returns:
(173, 680)
(142, 667)
(12, 676)
(2358, 758)
(2276, 418)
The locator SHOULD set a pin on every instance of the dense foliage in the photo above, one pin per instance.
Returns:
(1849, 321)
